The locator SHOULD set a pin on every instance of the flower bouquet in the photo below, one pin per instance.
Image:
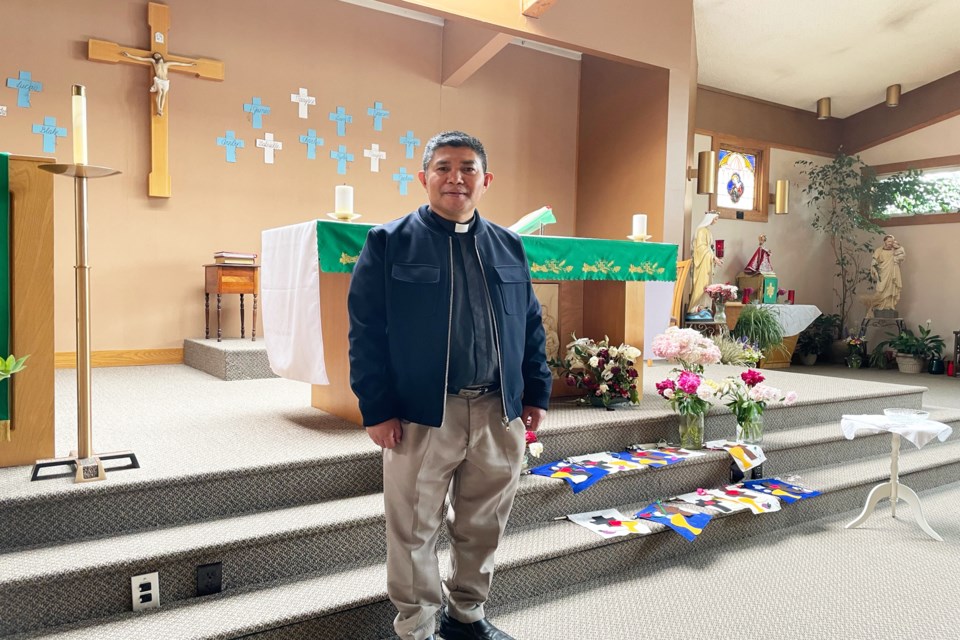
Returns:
(534, 447)
(721, 292)
(690, 397)
(747, 397)
(608, 373)
(687, 348)
(855, 351)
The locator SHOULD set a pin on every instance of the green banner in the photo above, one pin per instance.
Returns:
(4, 278)
(549, 257)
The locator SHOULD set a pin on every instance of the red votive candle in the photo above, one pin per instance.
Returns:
(746, 297)
(790, 296)
(719, 251)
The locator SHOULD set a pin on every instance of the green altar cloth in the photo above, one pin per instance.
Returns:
(550, 257)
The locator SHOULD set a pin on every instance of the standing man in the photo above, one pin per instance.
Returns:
(447, 359)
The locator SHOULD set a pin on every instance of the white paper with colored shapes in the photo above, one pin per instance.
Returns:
(713, 503)
(673, 451)
(757, 502)
(609, 523)
(785, 491)
(747, 456)
(605, 461)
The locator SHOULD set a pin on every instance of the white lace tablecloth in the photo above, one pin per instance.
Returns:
(919, 433)
(794, 318)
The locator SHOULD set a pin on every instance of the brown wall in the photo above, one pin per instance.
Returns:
(146, 253)
(621, 161)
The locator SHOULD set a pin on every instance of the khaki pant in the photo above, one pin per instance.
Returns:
(477, 459)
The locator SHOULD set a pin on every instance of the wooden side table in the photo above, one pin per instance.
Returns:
(231, 278)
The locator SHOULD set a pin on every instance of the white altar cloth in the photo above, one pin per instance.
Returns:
(919, 433)
(290, 299)
(794, 318)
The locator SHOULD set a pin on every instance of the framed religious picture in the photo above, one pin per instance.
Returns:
(742, 170)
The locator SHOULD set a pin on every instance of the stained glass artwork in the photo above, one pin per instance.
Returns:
(736, 179)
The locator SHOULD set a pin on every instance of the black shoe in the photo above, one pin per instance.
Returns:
(452, 629)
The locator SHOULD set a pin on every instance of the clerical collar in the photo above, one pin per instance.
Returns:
(454, 227)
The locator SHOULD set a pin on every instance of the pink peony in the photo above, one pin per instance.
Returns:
(688, 382)
(752, 377)
(791, 398)
(666, 384)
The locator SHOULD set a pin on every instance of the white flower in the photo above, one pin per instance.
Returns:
(613, 351)
(594, 362)
(704, 392)
(791, 398)
(668, 393)
(603, 388)
(535, 448)
(631, 353)
(607, 374)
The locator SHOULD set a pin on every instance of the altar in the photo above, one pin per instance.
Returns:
(793, 318)
(587, 286)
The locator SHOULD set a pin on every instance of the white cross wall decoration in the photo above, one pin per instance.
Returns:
(3, 111)
(302, 100)
(268, 144)
(375, 156)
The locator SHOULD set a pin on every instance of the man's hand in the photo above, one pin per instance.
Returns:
(387, 434)
(532, 417)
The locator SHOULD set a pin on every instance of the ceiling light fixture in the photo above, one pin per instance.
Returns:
(823, 108)
(893, 95)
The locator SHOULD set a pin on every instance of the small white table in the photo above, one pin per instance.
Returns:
(919, 433)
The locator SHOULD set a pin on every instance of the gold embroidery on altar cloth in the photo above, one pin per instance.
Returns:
(649, 268)
(348, 259)
(601, 266)
(552, 266)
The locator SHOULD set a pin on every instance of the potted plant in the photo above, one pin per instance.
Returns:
(8, 367)
(912, 349)
(760, 328)
(816, 339)
(847, 200)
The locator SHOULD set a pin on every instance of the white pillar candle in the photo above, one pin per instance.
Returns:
(79, 125)
(343, 200)
(639, 224)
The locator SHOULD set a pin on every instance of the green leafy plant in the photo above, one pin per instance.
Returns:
(924, 345)
(759, 327)
(848, 200)
(11, 365)
(816, 338)
(736, 351)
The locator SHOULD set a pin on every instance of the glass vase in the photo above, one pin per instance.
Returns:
(691, 430)
(720, 311)
(750, 429)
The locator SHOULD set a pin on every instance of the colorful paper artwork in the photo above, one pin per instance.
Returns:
(649, 458)
(747, 456)
(231, 143)
(672, 451)
(342, 158)
(757, 502)
(378, 113)
(579, 478)
(606, 461)
(609, 523)
(785, 491)
(410, 142)
(688, 524)
(713, 503)
(50, 132)
(342, 118)
(269, 145)
(304, 102)
(312, 142)
(24, 84)
(257, 109)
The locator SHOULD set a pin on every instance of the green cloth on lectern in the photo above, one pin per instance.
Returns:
(770, 287)
(4, 278)
(549, 257)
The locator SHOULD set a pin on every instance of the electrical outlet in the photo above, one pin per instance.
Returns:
(209, 578)
(145, 591)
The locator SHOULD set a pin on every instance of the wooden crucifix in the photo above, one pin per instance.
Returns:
(157, 57)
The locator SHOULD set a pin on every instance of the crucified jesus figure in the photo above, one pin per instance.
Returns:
(161, 82)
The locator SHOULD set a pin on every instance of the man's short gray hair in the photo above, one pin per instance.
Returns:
(453, 139)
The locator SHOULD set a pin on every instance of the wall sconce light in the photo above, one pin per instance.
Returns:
(823, 108)
(781, 204)
(893, 95)
(707, 172)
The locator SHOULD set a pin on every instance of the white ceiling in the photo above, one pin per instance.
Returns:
(793, 52)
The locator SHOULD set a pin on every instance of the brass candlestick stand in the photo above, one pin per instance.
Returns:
(87, 465)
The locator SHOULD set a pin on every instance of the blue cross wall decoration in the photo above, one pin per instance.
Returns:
(24, 84)
(258, 109)
(232, 143)
(410, 142)
(341, 117)
(403, 178)
(378, 113)
(342, 158)
(312, 142)
(50, 132)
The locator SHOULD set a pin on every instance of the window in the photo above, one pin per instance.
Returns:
(742, 192)
(939, 202)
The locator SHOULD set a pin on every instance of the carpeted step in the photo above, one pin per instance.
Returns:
(532, 561)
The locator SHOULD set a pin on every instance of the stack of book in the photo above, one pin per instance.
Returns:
(234, 257)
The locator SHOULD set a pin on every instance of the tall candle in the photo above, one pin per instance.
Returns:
(719, 251)
(343, 199)
(79, 124)
(640, 224)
